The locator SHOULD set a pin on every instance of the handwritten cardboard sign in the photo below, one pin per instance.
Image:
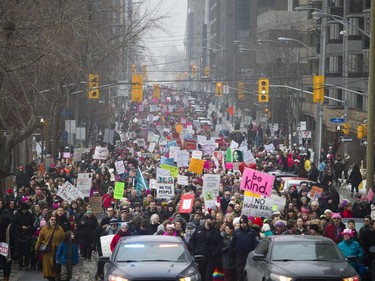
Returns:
(119, 190)
(69, 192)
(196, 166)
(262, 206)
(172, 169)
(257, 182)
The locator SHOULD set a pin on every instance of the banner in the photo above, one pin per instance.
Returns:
(162, 172)
(315, 192)
(69, 192)
(165, 188)
(101, 153)
(173, 151)
(84, 181)
(248, 157)
(119, 190)
(257, 182)
(166, 161)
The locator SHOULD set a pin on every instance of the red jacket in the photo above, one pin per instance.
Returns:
(117, 237)
(331, 231)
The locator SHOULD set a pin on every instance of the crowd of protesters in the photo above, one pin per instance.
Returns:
(32, 214)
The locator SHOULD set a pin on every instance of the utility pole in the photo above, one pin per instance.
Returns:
(371, 105)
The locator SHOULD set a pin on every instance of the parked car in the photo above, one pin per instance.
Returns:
(298, 257)
(150, 257)
(286, 182)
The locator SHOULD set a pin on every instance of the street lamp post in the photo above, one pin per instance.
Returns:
(321, 56)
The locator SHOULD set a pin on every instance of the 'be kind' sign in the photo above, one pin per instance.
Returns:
(257, 182)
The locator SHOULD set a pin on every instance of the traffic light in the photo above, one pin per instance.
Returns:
(263, 90)
(241, 88)
(194, 70)
(318, 93)
(219, 89)
(361, 132)
(133, 68)
(93, 86)
(137, 87)
(207, 71)
(156, 93)
(345, 129)
(268, 112)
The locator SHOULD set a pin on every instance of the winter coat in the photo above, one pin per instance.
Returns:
(62, 253)
(228, 261)
(355, 178)
(351, 248)
(23, 219)
(49, 257)
(88, 228)
(207, 242)
(332, 232)
(117, 237)
(244, 241)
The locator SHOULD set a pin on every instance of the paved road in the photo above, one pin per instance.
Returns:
(85, 271)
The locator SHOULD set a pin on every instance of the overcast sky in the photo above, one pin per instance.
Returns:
(176, 11)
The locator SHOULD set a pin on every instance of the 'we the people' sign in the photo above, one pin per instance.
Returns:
(257, 182)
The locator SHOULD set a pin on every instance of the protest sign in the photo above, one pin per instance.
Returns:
(141, 142)
(257, 182)
(190, 144)
(96, 204)
(119, 190)
(162, 172)
(269, 147)
(208, 149)
(153, 184)
(4, 249)
(179, 128)
(315, 192)
(84, 181)
(105, 242)
(211, 182)
(233, 144)
(196, 166)
(182, 158)
(262, 207)
(165, 188)
(120, 168)
(172, 169)
(219, 156)
(248, 157)
(196, 154)
(209, 199)
(151, 147)
(101, 153)
(170, 144)
(69, 192)
(182, 180)
(77, 156)
(173, 152)
(186, 203)
(166, 160)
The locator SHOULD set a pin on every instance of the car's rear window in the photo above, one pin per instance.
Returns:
(306, 251)
(151, 251)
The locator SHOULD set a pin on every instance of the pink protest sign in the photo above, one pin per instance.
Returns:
(229, 166)
(206, 165)
(257, 182)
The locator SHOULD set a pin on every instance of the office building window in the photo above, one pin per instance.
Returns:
(355, 64)
(334, 31)
(334, 64)
(366, 59)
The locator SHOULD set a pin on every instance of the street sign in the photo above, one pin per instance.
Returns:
(337, 120)
(363, 142)
(301, 125)
(306, 141)
(306, 134)
(342, 139)
(338, 128)
(226, 89)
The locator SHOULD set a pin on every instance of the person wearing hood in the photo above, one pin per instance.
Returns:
(23, 223)
(87, 228)
(122, 232)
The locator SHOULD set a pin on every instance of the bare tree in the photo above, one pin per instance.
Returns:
(47, 50)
